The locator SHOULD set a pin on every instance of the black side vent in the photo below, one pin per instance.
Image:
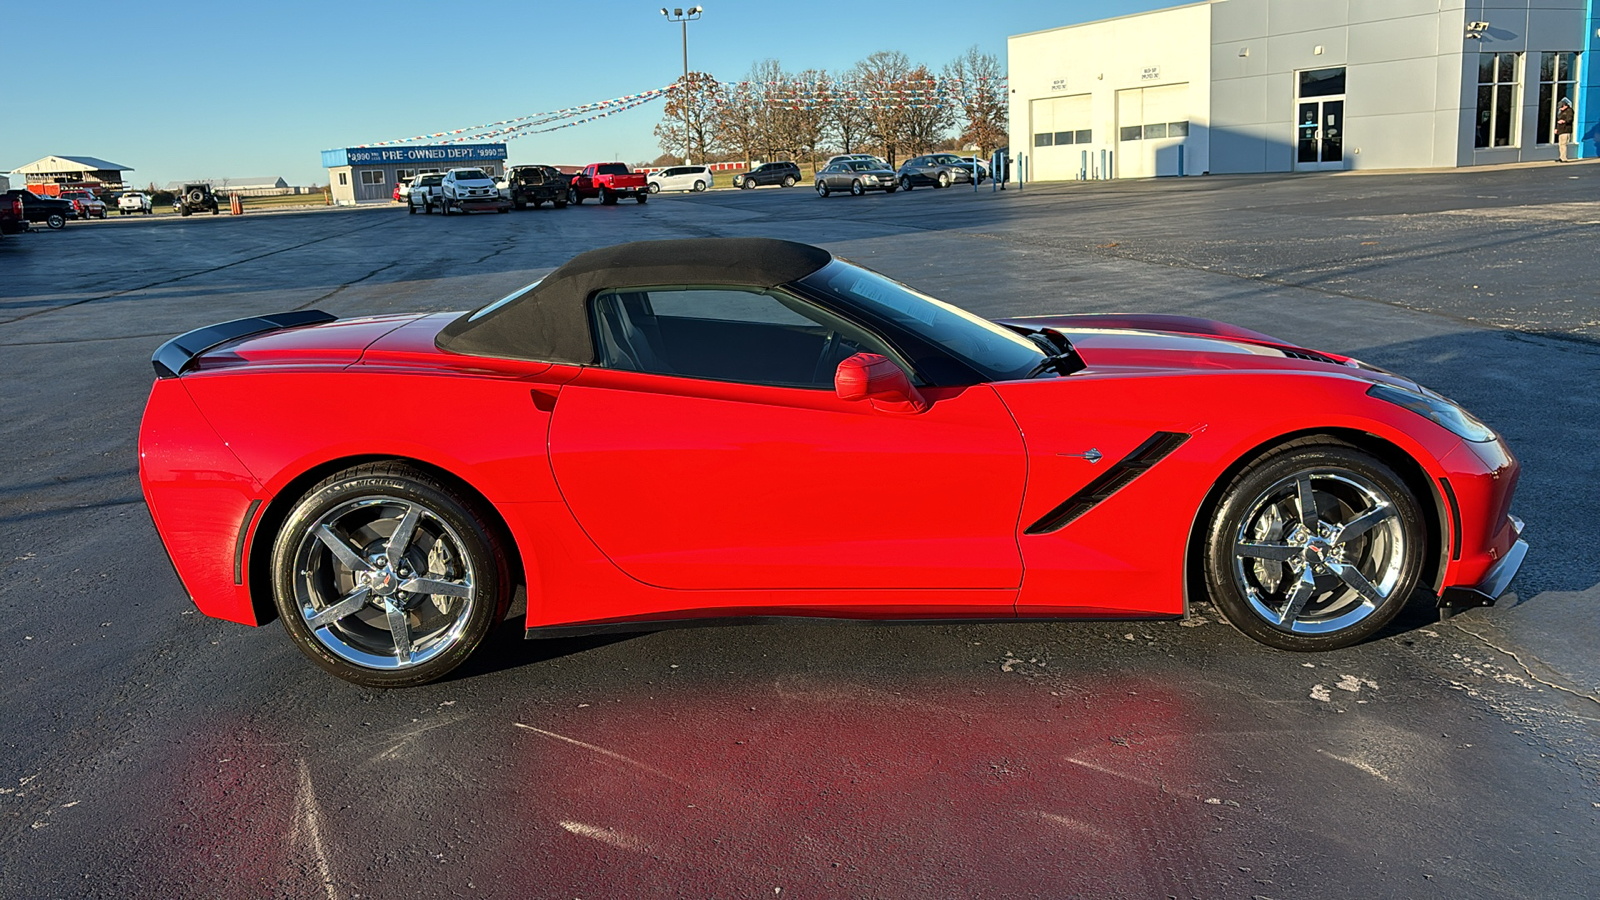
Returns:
(1306, 354)
(1119, 476)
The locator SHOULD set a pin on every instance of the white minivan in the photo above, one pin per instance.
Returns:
(682, 178)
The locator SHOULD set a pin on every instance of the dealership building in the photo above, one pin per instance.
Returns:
(1235, 86)
(368, 174)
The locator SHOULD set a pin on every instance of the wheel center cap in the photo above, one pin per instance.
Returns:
(384, 582)
(1318, 551)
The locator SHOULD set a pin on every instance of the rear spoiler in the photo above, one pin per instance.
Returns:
(178, 354)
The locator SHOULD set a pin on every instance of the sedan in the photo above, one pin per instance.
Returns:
(856, 176)
(671, 433)
(938, 169)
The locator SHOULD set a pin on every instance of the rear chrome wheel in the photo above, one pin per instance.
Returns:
(387, 578)
(822, 189)
(1315, 547)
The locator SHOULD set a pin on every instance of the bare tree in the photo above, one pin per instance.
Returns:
(881, 81)
(800, 111)
(976, 82)
(742, 116)
(844, 114)
(689, 121)
(926, 116)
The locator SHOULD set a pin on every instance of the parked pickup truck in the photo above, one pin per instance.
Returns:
(52, 211)
(86, 203)
(610, 182)
(12, 219)
(536, 185)
(134, 202)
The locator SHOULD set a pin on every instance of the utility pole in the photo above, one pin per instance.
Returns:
(684, 17)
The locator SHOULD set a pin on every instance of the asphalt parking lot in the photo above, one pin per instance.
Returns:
(151, 752)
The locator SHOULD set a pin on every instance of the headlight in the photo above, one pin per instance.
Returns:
(1441, 411)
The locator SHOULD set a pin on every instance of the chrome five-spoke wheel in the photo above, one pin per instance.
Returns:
(385, 577)
(1314, 548)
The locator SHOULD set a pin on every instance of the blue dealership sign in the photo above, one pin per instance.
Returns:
(434, 153)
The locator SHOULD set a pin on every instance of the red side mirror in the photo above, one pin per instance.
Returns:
(869, 376)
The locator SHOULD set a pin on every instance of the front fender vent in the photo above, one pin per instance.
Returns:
(1158, 447)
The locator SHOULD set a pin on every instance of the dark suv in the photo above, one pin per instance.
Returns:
(195, 198)
(784, 173)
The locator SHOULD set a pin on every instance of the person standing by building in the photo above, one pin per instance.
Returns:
(1564, 119)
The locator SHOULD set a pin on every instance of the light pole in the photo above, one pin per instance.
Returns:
(684, 17)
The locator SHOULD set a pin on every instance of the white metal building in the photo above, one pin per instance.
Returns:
(1295, 85)
(73, 170)
(369, 174)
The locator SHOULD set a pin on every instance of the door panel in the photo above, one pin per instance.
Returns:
(1332, 130)
(692, 484)
(1306, 133)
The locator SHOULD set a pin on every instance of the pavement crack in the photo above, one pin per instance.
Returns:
(188, 275)
(330, 294)
(1515, 656)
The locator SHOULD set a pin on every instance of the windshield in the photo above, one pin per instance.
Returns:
(470, 175)
(431, 180)
(997, 352)
(862, 165)
(611, 169)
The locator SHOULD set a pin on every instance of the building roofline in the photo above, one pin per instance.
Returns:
(1148, 12)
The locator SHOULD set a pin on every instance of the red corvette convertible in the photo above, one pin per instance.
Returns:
(669, 432)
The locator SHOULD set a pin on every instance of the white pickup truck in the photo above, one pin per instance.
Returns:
(465, 190)
(134, 202)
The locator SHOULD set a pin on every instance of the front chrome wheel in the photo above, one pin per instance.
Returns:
(1314, 546)
(1319, 552)
(386, 577)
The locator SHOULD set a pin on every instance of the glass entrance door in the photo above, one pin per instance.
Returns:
(1319, 119)
(1319, 134)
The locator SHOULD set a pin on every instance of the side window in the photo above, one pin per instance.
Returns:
(726, 334)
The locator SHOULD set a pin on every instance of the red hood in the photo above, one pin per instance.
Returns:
(1181, 342)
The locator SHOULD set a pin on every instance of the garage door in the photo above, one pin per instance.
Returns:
(1152, 126)
(1061, 131)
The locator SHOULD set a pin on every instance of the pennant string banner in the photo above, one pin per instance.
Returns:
(793, 95)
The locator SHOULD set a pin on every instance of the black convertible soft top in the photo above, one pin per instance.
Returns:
(551, 321)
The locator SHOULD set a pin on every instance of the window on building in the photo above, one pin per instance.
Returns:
(372, 176)
(1558, 78)
(403, 175)
(1497, 100)
(344, 178)
(1146, 113)
(1322, 82)
(1059, 121)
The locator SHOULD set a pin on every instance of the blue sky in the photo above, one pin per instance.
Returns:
(279, 82)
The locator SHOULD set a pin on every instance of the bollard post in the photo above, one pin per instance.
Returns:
(1104, 173)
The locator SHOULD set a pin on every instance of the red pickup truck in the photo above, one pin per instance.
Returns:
(610, 182)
